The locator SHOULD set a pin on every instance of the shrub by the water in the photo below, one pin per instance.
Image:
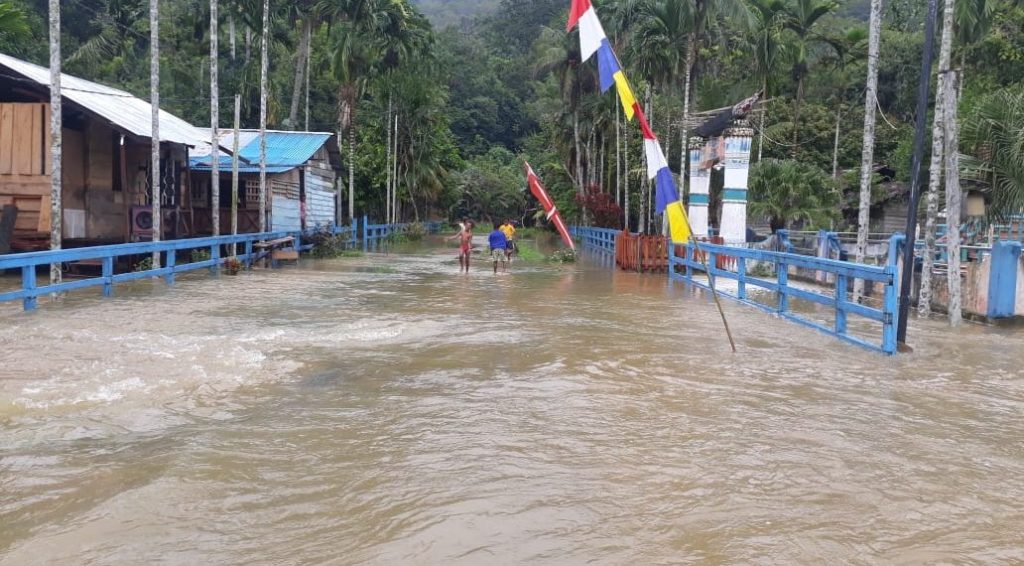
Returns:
(144, 265)
(563, 256)
(199, 254)
(327, 244)
(415, 231)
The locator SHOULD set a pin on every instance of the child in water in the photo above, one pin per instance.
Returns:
(498, 243)
(465, 237)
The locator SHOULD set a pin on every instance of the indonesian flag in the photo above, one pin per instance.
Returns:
(549, 206)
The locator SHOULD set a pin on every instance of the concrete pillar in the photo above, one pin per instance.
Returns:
(700, 189)
(734, 192)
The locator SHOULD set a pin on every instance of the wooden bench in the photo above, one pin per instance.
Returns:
(275, 250)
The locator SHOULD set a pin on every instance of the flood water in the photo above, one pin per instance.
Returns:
(388, 410)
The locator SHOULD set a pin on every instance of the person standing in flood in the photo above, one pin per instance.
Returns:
(510, 232)
(465, 237)
(498, 243)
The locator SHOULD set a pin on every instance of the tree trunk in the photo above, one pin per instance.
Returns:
(953, 213)
(301, 59)
(214, 123)
(797, 104)
(351, 169)
(264, 71)
(835, 143)
(684, 161)
(154, 95)
(309, 68)
(761, 118)
(924, 302)
(231, 33)
(56, 128)
(625, 180)
(868, 150)
(576, 142)
(248, 45)
(387, 160)
(618, 152)
(394, 188)
(234, 172)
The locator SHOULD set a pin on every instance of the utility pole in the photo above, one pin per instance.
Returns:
(214, 125)
(915, 174)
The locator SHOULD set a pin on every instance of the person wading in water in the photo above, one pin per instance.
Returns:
(465, 237)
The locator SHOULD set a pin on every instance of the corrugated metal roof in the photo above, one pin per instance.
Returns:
(116, 106)
(285, 150)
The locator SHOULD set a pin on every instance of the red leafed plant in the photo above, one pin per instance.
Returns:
(601, 208)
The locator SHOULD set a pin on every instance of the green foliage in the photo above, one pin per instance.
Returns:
(528, 252)
(199, 254)
(144, 265)
(446, 13)
(563, 256)
(784, 191)
(415, 232)
(490, 188)
(327, 244)
(993, 133)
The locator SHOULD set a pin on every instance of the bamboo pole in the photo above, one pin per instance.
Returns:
(711, 282)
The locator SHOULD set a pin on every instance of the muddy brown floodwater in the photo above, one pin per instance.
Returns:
(387, 410)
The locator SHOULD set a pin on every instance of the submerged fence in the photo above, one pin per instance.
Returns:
(818, 281)
(29, 263)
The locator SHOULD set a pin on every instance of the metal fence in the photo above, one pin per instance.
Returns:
(29, 263)
(682, 268)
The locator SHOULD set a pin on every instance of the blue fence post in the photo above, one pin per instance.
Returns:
(170, 264)
(28, 284)
(248, 253)
(741, 276)
(108, 276)
(890, 312)
(1002, 279)
(783, 277)
(841, 287)
(689, 262)
(366, 225)
(215, 256)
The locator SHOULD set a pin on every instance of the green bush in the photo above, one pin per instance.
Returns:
(144, 265)
(563, 256)
(327, 244)
(199, 254)
(415, 231)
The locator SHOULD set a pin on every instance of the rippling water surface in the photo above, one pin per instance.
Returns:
(389, 410)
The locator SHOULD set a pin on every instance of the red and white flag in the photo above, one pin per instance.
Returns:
(549, 206)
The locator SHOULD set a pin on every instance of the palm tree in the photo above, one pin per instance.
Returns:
(14, 29)
(307, 14)
(868, 149)
(769, 47)
(993, 137)
(802, 18)
(264, 71)
(951, 154)
(786, 190)
(56, 237)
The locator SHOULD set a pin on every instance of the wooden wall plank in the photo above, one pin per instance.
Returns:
(36, 145)
(22, 144)
(47, 167)
(44, 214)
(6, 138)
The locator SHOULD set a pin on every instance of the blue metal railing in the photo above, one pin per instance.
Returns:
(28, 263)
(601, 239)
(375, 234)
(683, 268)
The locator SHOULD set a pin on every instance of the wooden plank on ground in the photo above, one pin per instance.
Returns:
(6, 138)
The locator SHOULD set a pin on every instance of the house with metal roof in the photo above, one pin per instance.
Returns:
(302, 173)
(107, 182)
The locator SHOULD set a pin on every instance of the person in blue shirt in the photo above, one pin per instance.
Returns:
(498, 243)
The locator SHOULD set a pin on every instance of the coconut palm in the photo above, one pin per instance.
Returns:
(803, 18)
(766, 35)
(56, 127)
(993, 137)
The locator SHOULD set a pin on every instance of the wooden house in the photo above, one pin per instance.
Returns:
(105, 174)
(302, 172)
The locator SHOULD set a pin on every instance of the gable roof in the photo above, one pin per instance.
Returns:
(115, 106)
(285, 150)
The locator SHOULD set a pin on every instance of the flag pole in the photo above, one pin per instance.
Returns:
(711, 281)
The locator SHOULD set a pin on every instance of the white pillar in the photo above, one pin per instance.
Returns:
(700, 191)
(734, 191)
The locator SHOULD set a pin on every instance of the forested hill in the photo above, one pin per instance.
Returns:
(443, 13)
